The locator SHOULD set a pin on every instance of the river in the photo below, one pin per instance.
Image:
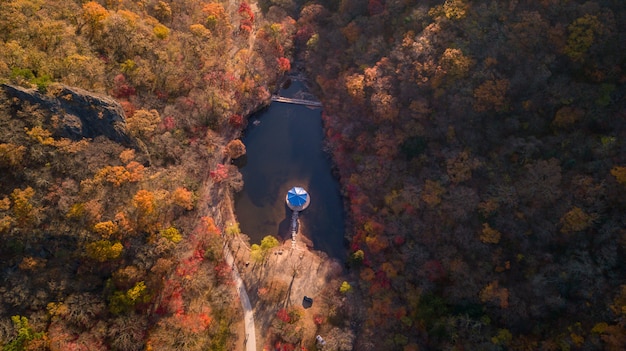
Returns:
(284, 145)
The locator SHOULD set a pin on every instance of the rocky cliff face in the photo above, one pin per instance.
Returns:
(81, 114)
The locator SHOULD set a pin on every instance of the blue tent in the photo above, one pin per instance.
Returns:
(297, 196)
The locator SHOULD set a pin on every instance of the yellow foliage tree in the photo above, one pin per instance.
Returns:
(389, 269)
(376, 244)
(70, 147)
(11, 155)
(451, 9)
(23, 209)
(432, 192)
(256, 254)
(163, 11)
(455, 9)
(503, 337)
(104, 250)
(575, 220)
(489, 235)
(106, 229)
(40, 135)
(5, 224)
(124, 301)
(172, 234)
(161, 31)
(582, 33)
(452, 65)
(352, 32)
(76, 211)
(488, 207)
(143, 123)
(455, 64)
(199, 30)
(32, 263)
(5, 204)
(459, 168)
(355, 85)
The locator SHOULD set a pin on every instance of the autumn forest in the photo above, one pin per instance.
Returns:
(479, 144)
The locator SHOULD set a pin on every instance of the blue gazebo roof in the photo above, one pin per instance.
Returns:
(297, 196)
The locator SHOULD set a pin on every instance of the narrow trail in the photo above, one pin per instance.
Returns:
(248, 315)
(249, 339)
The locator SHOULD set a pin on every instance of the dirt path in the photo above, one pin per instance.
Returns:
(249, 341)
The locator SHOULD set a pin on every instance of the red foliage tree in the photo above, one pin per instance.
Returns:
(128, 107)
(121, 88)
(433, 270)
(283, 315)
(223, 271)
(245, 11)
(219, 174)
(247, 17)
(375, 7)
(236, 120)
(283, 64)
(168, 123)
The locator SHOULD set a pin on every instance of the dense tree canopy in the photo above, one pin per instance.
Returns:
(479, 149)
(479, 145)
(105, 246)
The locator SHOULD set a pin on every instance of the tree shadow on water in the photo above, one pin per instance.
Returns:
(284, 227)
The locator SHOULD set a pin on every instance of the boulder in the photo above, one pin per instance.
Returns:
(81, 114)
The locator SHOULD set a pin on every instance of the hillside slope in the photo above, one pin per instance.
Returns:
(480, 145)
(115, 146)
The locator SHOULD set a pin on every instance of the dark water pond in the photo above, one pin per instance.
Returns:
(284, 149)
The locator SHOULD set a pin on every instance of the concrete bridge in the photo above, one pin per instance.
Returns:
(296, 101)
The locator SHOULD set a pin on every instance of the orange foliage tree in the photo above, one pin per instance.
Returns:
(235, 148)
(183, 198)
(619, 173)
(491, 96)
(94, 15)
(495, 294)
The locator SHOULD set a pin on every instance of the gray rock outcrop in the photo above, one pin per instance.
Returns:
(81, 114)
